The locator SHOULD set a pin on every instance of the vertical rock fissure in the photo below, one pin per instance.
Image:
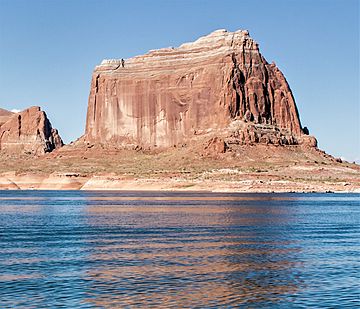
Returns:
(19, 125)
(238, 86)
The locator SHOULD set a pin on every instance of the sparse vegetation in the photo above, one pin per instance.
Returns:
(259, 164)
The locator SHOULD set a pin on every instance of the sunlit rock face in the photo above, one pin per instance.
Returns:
(5, 115)
(29, 132)
(167, 96)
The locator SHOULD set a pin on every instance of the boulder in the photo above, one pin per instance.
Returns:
(308, 141)
(215, 146)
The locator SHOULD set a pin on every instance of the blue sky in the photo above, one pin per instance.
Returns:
(48, 49)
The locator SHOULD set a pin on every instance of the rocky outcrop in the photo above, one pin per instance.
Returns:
(215, 146)
(29, 131)
(170, 95)
(5, 115)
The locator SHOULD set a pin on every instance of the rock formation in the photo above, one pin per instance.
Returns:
(4, 115)
(29, 131)
(219, 83)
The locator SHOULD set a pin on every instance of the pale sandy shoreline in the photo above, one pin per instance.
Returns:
(11, 181)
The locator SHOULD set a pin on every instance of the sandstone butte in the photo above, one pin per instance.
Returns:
(208, 115)
(220, 83)
(29, 131)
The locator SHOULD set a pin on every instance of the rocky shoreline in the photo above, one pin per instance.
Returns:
(257, 168)
(99, 183)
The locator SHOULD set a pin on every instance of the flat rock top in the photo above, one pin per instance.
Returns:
(219, 42)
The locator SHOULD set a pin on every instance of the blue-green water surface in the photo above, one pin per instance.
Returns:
(74, 249)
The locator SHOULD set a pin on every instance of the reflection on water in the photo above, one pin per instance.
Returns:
(161, 250)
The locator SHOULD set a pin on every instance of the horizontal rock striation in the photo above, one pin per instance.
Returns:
(29, 131)
(168, 96)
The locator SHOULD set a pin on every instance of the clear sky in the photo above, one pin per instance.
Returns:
(48, 49)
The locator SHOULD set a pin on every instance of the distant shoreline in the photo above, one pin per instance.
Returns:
(57, 181)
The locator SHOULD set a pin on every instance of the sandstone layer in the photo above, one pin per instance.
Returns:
(220, 83)
(29, 131)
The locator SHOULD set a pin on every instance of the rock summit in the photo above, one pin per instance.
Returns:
(220, 84)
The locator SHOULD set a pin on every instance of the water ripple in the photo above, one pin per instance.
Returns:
(178, 250)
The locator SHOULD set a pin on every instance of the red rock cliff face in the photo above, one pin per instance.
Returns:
(167, 96)
(29, 131)
(5, 115)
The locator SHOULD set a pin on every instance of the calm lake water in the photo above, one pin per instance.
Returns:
(178, 250)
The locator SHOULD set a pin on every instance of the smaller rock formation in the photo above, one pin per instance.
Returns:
(4, 115)
(215, 146)
(29, 132)
(244, 133)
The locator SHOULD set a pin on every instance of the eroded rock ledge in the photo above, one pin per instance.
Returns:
(220, 82)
